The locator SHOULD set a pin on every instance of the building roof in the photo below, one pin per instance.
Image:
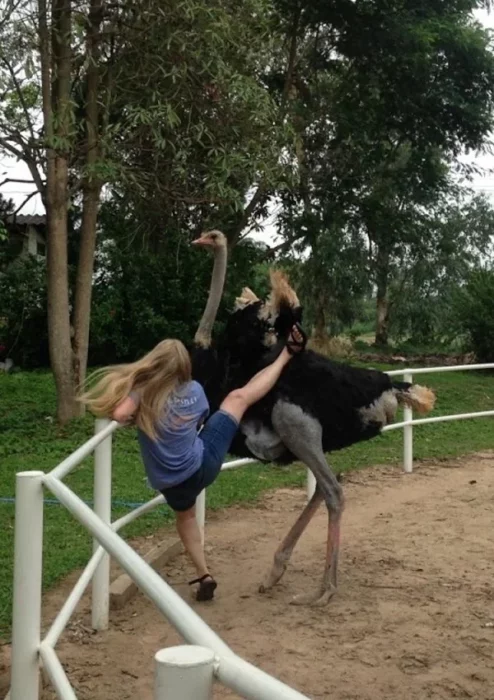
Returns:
(27, 219)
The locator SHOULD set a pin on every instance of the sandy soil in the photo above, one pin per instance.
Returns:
(414, 618)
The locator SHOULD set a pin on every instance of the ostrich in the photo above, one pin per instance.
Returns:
(316, 407)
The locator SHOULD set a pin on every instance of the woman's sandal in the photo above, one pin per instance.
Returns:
(207, 587)
(294, 346)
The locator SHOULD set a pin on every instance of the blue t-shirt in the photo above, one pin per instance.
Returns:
(177, 451)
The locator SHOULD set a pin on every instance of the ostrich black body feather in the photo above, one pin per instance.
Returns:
(332, 392)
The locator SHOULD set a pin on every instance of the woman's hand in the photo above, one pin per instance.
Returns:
(125, 410)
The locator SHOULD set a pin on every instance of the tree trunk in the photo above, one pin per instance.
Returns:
(320, 332)
(84, 282)
(58, 294)
(56, 63)
(382, 300)
(91, 195)
(382, 321)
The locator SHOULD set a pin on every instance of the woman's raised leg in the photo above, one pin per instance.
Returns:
(239, 400)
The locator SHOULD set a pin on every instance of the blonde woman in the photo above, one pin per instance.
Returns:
(157, 392)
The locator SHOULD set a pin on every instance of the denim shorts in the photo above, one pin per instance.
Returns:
(217, 436)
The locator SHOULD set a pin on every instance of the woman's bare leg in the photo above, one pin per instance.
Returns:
(239, 400)
(189, 533)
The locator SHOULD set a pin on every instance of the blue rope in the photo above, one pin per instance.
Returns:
(54, 502)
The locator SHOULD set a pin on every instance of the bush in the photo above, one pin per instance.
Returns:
(140, 297)
(475, 309)
(23, 328)
(335, 347)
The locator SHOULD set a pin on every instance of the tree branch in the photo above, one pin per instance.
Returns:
(11, 149)
(44, 51)
(280, 248)
(292, 57)
(30, 196)
(21, 97)
(13, 179)
(9, 12)
(247, 213)
(290, 71)
(23, 153)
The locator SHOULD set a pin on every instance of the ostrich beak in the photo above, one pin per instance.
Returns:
(201, 242)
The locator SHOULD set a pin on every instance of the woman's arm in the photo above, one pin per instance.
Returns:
(125, 410)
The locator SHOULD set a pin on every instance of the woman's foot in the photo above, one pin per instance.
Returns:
(207, 587)
(297, 340)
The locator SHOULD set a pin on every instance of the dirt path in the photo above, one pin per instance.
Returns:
(414, 618)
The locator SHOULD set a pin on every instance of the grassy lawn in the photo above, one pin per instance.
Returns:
(30, 440)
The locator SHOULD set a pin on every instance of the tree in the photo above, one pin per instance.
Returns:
(6, 209)
(385, 98)
(200, 154)
(426, 295)
(396, 213)
(42, 50)
(475, 313)
(22, 296)
(167, 293)
(23, 330)
(150, 101)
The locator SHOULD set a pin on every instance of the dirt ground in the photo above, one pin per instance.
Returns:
(414, 617)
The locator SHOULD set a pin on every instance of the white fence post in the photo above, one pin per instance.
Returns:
(28, 563)
(201, 513)
(102, 508)
(184, 673)
(311, 484)
(408, 433)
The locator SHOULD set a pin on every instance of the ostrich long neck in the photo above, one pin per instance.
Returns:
(203, 334)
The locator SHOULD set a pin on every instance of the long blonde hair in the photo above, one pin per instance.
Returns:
(154, 377)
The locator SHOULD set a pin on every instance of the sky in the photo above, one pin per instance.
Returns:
(9, 168)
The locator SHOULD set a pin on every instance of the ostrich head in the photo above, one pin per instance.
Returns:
(218, 243)
(211, 239)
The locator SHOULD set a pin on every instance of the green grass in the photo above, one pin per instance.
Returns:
(30, 440)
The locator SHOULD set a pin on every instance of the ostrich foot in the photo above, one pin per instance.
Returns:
(277, 571)
(284, 551)
(316, 600)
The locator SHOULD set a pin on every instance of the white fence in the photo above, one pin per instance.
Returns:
(182, 673)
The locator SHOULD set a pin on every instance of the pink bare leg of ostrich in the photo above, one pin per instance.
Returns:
(329, 580)
(302, 434)
(284, 551)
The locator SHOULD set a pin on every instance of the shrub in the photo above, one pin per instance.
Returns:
(475, 310)
(23, 330)
(336, 347)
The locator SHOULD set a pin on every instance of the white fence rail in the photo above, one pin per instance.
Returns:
(186, 672)
(28, 648)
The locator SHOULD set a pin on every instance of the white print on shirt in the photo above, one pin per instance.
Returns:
(184, 402)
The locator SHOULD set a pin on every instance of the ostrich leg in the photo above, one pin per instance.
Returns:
(302, 435)
(284, 551)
